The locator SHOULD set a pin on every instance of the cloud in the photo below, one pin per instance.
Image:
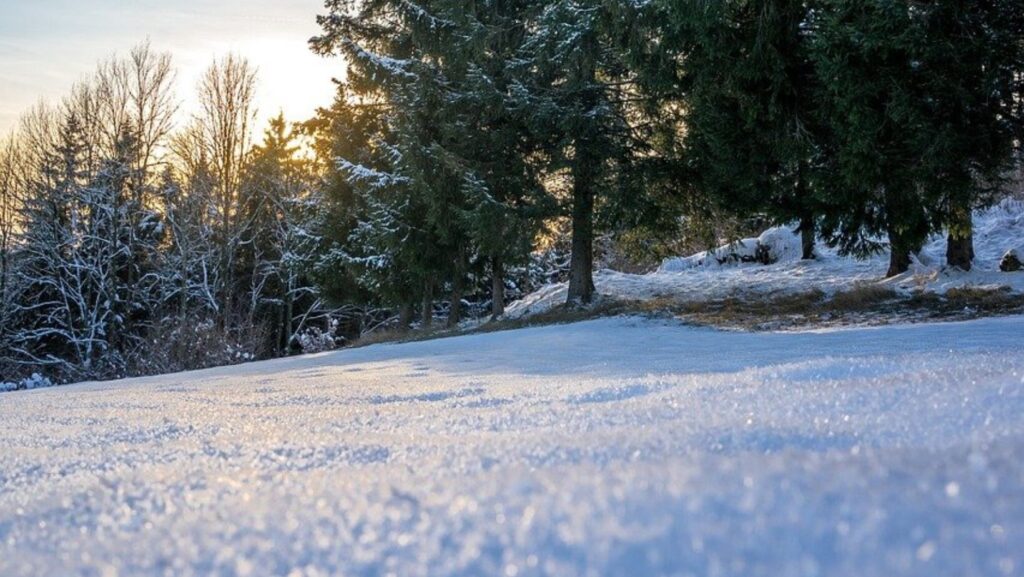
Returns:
(49, 45)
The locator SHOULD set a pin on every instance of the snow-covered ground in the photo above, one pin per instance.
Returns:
(614, 447)
(702, 277)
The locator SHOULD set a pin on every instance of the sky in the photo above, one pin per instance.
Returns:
(48, 45)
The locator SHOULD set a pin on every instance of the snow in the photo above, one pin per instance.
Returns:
(705, 276)
(613, 447)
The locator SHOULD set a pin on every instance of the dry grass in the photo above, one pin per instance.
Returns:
(864, 304)
(867, 304)
(864, 296)
(988, 299)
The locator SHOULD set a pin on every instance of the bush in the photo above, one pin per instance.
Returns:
(198, 343)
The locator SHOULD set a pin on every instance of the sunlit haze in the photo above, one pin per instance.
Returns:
(46, 45)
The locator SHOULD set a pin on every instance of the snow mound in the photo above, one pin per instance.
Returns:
(778, 244)
(614, 447)
(36, 381)
(737, 270)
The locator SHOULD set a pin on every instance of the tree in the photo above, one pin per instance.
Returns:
(573, 75)
(917, 97)
(968, 64)
(282, 203)
(10, 204)
(490, 133)
(752, 124)
(11, 196)
(66, 327)
(222, 132)
(412, 187)
(871, 99)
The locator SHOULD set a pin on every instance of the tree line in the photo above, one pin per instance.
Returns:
(870, 125)
(130, 246)
(476, 150)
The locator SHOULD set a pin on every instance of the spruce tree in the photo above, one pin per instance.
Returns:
(871, 99)
(751, 124)
(572, 71)
(968, 62)
(489, 132)
(447, 183)
(917, 98)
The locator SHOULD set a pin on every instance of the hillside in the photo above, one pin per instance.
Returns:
(612, 447)
(719, 274)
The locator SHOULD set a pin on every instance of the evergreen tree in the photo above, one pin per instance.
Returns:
(488, 130)
(865, 54)
(282, 207)
(968, 63)
(69, 257)
(751, 126)
(573, 75)
(917, 98)
(445, 153)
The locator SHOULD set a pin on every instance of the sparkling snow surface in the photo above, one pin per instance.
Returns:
(619, 447)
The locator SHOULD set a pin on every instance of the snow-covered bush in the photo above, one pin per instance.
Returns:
(1013, 260)
(192, 344)
(35, 381)
(316, 340)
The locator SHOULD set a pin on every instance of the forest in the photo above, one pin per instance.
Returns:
(476, 151)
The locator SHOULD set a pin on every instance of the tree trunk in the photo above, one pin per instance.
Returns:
(899, 255)
(405, 314)
(427, 318)
(455, 310)
(280, 348)
(808, 232)
(183, 300)
(960, 243)
(581, 268)
(289, 316)
(497, 288)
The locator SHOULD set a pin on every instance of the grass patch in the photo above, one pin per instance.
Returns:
(862, 297)
(865, 304)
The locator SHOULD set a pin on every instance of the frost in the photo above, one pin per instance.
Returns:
(613, 447)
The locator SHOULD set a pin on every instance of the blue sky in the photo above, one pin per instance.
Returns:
(48, 45)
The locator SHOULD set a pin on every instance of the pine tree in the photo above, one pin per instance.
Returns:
(968, 64)
(488, 130)
(871, 97)
(917, 97)
(751, 127)
(418, 188)
(571, 72)
(64, 276)
(281, 205)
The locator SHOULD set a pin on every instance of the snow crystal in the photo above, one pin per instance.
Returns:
(612, 447)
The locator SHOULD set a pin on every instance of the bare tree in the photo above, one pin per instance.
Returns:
(11, 192)
(11, 195)
(223, 131)
(135, 95)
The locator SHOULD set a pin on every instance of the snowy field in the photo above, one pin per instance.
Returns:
(702, 277)
(618, 447)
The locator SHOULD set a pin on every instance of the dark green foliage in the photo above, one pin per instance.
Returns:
(752, 129)
(916, 97)
(442, 184)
